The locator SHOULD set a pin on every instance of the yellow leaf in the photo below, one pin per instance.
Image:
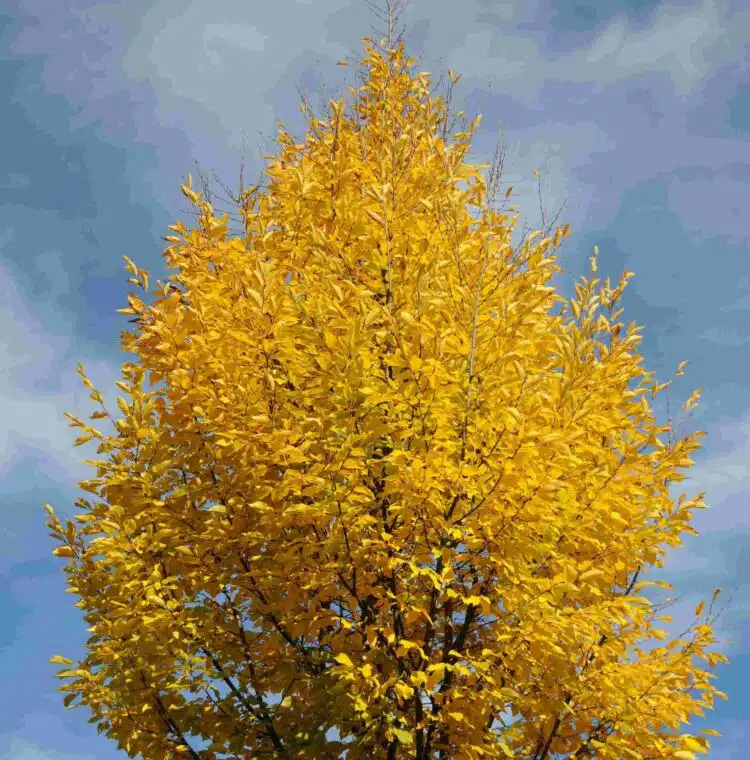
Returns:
(693, 400)
(344, 659)
(403, 690)
(593, 573)
(693, 744)
(404, 737)
(189, 193)
(60, 660)
(407, 317)
(434, 676)
(256, 297)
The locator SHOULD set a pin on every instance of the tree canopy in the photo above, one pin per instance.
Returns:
(376, 489)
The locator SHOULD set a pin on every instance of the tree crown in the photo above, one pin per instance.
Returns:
(389, 493)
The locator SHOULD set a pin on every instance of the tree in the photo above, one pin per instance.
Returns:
(377, 490)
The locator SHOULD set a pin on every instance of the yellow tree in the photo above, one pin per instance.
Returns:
(376, 489)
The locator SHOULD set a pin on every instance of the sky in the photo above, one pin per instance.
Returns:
(636, 113)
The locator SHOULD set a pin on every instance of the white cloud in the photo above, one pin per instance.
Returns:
(686, 43)
(244, 36)
(559, 151)
(715, 557)
(17, 748)
(725, 477)
(34, 353)
(226, 68)
(218, 73)
(679, 42)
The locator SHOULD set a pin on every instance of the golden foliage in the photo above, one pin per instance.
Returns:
(387, 491)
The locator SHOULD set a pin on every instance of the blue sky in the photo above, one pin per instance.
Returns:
(637, 113)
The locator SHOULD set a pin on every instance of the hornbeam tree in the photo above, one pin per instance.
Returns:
(376, 489)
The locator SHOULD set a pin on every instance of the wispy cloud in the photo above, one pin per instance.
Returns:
(16, 748)
(684, 42)
(33, 357)
(724, 474)
(719, 557)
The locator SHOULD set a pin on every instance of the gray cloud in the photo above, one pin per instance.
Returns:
(685, 43)
(226, 68)
(31, 352)
(212, 75)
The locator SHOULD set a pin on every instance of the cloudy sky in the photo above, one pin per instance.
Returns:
(637, 112)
